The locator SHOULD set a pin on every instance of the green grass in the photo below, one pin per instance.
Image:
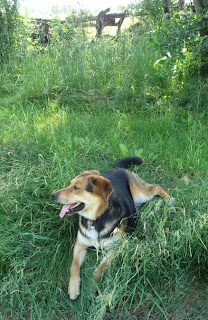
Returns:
(60, 116)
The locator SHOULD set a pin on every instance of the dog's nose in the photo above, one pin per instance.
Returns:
(54, 196)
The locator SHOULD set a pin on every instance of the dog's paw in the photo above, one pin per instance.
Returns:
(171, 201)
(97, 274)
(74, 289)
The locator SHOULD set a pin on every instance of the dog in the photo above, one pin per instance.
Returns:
(106, 205)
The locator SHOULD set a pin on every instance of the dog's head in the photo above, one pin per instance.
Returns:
(87, 195)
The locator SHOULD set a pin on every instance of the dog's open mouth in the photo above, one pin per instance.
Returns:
(71, 208)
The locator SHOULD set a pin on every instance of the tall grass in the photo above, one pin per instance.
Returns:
(84, 106)
(119, 70)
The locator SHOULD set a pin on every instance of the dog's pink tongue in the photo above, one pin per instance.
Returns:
(64, 210)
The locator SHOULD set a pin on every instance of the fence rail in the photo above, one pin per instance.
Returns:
(42, 27)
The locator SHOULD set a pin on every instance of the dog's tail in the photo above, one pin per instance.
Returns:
(127, 162)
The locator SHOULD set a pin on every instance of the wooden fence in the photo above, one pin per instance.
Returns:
(42, 27)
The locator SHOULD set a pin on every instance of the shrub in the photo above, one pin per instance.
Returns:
(9, 23)
(179, 42)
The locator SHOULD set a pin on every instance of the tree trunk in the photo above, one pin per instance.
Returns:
(200, 5)
(167, 5)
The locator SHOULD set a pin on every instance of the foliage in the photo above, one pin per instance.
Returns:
(77, 18)
(151, 9)
(181, 36)
(9, 24)
(69, 29)
(177, 37)
(61, 31)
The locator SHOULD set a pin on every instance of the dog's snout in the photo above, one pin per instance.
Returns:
(54, 196)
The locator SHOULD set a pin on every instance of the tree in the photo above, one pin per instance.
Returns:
(200, 5)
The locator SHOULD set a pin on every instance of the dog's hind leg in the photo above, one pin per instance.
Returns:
(157, 190)
(74, 282)
(142, 191)
(102, 266)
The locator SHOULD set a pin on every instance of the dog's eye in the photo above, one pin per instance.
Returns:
(75, 187)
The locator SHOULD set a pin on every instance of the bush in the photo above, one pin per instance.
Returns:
(9, 23)
(179, 42)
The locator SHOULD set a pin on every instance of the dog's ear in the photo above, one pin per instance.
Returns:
(101, 186)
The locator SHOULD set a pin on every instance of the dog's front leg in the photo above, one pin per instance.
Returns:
(74, 282)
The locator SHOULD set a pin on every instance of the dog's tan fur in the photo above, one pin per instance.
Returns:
(94, 191)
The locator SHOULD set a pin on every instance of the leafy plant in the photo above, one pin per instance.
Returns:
(178, 40)
(152, 10)
(9, 23)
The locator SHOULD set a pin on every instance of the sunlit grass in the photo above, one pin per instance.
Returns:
(168, 243)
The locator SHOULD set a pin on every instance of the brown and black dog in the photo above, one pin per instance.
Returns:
(106, 205)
